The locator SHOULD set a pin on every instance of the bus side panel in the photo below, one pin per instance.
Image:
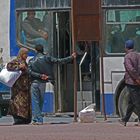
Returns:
(112, 76)
(13, 47)
(6, 34)
(109, 103)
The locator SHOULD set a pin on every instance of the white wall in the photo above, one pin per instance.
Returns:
(4, 29)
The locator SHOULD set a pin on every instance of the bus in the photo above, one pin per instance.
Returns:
(7, 42)
(55, 18)
(120, 21)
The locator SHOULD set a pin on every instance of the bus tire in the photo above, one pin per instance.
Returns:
(123, 103)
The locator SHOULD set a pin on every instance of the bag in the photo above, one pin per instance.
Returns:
(87, 115)
(8, 78)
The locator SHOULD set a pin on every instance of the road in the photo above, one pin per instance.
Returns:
(62, 129)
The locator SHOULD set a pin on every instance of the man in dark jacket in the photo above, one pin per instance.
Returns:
(41, 71)
(132, 80)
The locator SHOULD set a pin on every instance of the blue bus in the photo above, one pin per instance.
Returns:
(97, 74)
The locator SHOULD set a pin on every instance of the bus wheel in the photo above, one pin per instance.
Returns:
(123, 103)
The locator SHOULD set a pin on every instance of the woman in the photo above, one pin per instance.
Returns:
(20, 101)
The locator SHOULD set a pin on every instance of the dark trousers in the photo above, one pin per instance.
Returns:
(133, 102)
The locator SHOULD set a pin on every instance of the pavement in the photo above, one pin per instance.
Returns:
(60, 118)
(63, 127)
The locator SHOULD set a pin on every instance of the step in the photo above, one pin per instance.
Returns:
(86, 85)
(87, 95)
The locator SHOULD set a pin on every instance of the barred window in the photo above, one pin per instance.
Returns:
(121, 2)
(121, 25)
(42, 3)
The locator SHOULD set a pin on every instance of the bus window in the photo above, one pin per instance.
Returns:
(121, 25)
(42, 3)
(121, 2)
(115, 40)
(35, 28)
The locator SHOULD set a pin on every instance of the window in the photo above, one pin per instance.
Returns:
(121, 2)
(42, 3)
(121, 25)
(33, 27)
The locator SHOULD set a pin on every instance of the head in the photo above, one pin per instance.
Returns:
(23, 53)
(31, 14)
(39, 48)
(129, 44)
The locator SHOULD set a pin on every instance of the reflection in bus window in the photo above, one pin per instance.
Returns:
(115, 39)
(120, 26)
(34, 31)
(48, 26)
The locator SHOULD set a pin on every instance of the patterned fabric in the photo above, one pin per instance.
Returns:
(20, 104)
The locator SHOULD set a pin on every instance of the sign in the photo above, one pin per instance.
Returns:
(86, 20)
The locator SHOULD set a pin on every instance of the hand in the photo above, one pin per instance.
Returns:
(22, 66)
(74, 54)
(138, 81)
(44, 77)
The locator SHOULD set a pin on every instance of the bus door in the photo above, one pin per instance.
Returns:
(62, 48)
(95, 74)
(120, 24)
(56, 23)
(88, 74)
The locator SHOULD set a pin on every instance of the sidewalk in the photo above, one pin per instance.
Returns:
(60, 118)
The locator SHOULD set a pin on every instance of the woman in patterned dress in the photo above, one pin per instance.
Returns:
(20, 103)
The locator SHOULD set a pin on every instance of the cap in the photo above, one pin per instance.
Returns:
(129, 44)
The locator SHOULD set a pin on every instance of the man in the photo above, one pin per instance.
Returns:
(132, 80)
(41, 71)
(34, 31)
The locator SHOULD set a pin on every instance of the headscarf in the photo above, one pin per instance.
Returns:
(22, 51)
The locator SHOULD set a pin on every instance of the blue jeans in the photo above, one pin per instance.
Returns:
(37, 94)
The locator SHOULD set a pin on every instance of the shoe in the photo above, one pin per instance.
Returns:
(19, 122)
(36, 123)
(122, 122)
(137, 124)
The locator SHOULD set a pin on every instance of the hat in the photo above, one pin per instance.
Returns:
(129, 44)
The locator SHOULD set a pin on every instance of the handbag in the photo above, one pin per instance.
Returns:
(8, 78)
